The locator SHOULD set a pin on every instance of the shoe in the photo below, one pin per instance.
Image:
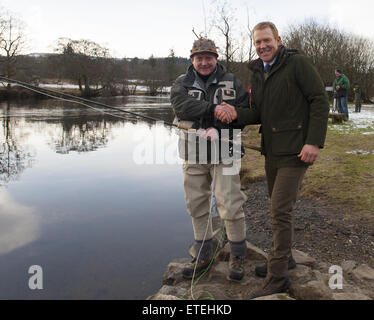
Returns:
(271, 286)
(262, 271)
(236, 268)
(201, 267)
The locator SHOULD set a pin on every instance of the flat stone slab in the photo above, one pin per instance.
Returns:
(277, 296)
(363, 272)
(302, 258)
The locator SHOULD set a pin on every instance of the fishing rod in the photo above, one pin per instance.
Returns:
(75, 99)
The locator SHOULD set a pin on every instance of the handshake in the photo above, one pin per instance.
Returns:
(225, 113)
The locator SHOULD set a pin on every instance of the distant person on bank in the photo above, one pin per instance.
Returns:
(341, 85)
(357, 91)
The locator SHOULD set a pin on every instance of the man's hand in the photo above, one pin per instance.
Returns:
(210, 134)
(309, 153)
(337, 87)
(225, 112)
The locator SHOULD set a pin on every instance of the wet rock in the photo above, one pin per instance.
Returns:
(302, 258)
(312, 290)
(363, 272)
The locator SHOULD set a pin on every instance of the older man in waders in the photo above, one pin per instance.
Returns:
(195, 96)
(290, 103)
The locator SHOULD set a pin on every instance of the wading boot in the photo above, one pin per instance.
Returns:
(262, 271)
(204, 251)
(236, 268)
(272, 285)
(201, 267)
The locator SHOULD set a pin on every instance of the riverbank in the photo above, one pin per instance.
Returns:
(322, 241)
(20, 93)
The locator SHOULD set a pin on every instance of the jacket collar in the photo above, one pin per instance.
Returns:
(281, 56)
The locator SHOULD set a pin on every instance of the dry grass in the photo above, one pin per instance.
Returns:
(341, 180)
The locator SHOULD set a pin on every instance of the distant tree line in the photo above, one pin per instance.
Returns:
(329, 48)
(90, 65)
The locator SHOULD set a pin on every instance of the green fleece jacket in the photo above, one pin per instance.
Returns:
(291, 105)
(343, 82)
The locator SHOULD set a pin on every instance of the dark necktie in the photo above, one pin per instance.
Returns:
(266, 68)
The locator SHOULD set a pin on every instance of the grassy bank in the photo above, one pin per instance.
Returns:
(343, 176)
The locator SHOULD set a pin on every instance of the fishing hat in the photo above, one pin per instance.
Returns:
(203, 45)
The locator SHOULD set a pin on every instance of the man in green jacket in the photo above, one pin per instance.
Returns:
(290, 103)
(341, 85)
(207, 168)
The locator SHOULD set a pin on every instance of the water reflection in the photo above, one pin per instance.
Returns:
(18, 224)
(14, 156)
(100, 225)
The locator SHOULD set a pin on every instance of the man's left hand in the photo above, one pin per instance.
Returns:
(309, 153)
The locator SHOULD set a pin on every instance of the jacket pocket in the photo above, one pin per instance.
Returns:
(287, 140)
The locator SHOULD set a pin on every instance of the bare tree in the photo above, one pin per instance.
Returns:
(225, 22)
(12, 41)
(83, 60)
(329, 47)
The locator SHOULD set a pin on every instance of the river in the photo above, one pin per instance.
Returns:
(79, 200)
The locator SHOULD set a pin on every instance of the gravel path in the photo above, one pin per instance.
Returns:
(319, 231)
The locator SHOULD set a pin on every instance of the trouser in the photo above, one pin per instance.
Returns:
(198, 181)
(358, 106)
(342, 106)
(283, 185)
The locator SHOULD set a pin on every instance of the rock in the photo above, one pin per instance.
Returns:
(173, 273)
(173, 291)
(321, 276)
(348, 266)
(277, 296)
(349, 296)
(219, 271)
(313, 290)
(301, 274)
(210, 291)
(363, 272)
(302, 258)
(255, 253)
(159, 296)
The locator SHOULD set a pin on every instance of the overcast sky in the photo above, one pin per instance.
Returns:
(144, 27)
